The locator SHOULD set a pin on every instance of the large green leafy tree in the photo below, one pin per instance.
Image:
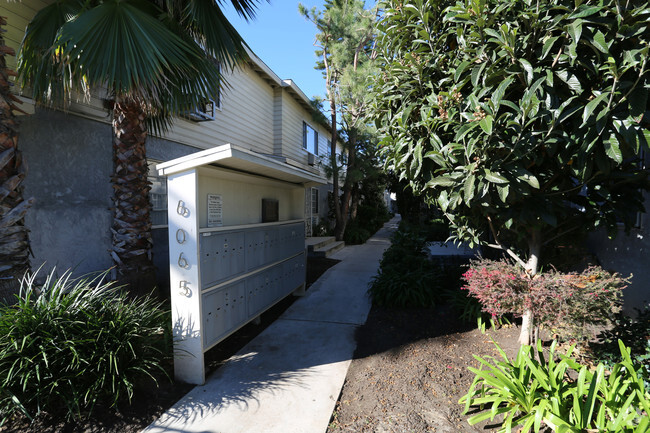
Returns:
(345, 39)
(523, 120)
(156, 59)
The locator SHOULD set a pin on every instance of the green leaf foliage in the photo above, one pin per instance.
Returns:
(535, 392)
(530, 113)
(71, 344)
(164, 54)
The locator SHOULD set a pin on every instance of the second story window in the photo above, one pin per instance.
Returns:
(309, 138)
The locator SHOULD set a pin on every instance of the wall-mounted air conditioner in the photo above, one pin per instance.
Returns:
(311, 159)
(203, 112)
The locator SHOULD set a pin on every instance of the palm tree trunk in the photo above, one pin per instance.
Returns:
(14, 236)
(132, 242)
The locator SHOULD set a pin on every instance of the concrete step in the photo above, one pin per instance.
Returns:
(316, 242)
(328, 249)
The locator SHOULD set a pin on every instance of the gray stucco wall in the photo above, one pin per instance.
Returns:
(70, 163)
(69, 160)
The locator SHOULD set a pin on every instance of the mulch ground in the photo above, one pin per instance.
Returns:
(410, 370)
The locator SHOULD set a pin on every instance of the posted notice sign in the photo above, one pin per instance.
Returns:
(215, 210)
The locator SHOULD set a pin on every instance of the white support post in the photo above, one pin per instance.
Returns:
(189, 365)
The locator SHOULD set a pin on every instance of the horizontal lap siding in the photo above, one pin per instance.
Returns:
(323, 136)
(245, 118)
(323, 148)
(18, 14)
(292, 117)
(278, 94)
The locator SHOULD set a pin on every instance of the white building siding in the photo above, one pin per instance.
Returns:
(258, 111)
(18, 15)
(292, 118)
(245, 118)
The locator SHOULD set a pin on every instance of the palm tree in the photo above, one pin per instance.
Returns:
(156, 59)
(14, 237)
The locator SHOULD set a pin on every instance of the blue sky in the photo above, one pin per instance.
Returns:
(284, 40)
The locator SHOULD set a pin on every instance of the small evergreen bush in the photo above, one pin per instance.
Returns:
(406, 277)
(71, 344)
(356, 234)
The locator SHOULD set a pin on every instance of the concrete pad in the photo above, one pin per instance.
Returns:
(340, 295)
(287, 380)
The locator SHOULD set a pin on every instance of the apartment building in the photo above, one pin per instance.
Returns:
(266, 123)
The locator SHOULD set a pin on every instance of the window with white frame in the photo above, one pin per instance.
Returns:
(309, 138)
(158, 196)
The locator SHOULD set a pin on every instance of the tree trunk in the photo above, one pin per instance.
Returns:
(335, 169)
(339, 230)
(356, 196)
(532, 266)
(132, 242)
(14, 236)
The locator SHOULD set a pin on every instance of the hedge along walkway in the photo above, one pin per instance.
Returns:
(289, 377)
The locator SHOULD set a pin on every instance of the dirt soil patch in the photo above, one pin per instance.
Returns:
(410, 370)
(151, 401)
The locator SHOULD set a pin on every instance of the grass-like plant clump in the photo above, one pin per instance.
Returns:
(71, 344)
(559, 393)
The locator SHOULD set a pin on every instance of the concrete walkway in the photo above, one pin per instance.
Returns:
(288, 378)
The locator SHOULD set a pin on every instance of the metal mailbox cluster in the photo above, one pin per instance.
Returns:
(225, 255)
(229, 259)
(244, 272)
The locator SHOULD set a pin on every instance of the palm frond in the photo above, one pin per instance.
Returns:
(123, 45)
(245, 8)
(206, 23)
(39, 65)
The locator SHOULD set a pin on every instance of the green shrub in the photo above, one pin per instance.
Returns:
(559, 393)
(73, 343)
(356, 234)
(406, 278)
(323, 228)
(437, 230)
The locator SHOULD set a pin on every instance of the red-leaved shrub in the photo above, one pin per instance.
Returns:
(565, 303)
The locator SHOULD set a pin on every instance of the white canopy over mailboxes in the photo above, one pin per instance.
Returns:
(227, 264)
(248, 161)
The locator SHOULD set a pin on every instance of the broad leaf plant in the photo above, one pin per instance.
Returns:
(522, 120)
